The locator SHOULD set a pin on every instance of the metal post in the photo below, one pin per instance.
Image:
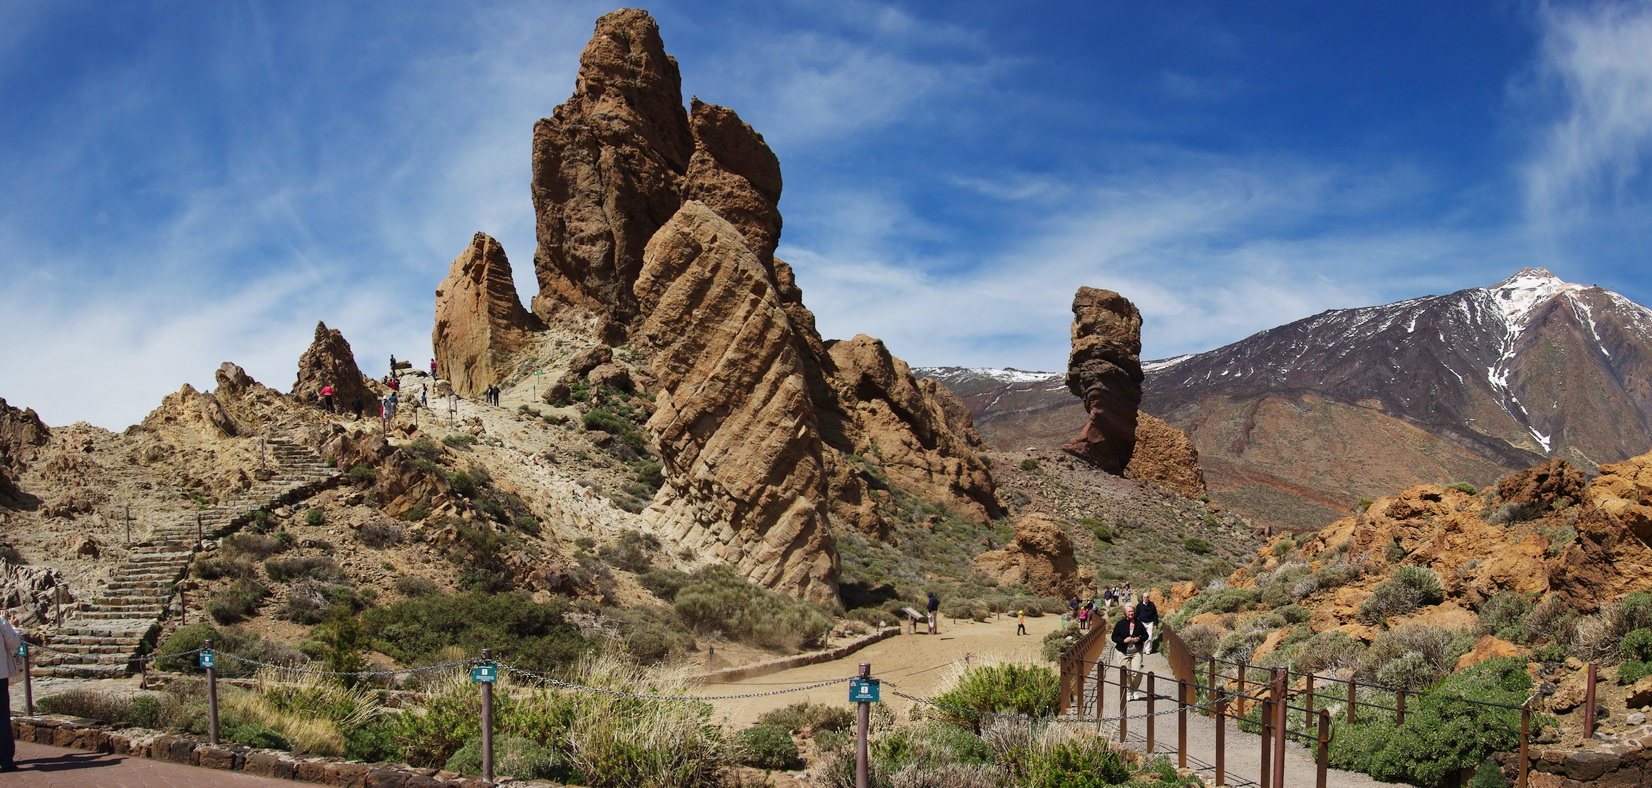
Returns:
(1281, 711)
(1589, 704)
(1308, 715)
(28, 680)
(1241, 676)
(1353, 699)
(1399, 709)
(1265, 707)
(1182, 691)
(1150, 717)
(128, 526)
(1323, 756)
(212, 695)
(1221, 709)
(1213, 689)
(863, 724)
(1101, 693)
(487, 722)
(1525, 747)
(1064, 691)
(1124, 701)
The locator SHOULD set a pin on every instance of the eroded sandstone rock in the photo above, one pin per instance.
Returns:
(479, 319)
(22, 434)
(330, 362)
(745, 481)
(1105, 371)
(1165, 456)
(1041, 557)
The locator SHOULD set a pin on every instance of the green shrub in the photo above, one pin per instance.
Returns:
(1443, 736)
(1029, 464)
(1085, 763)
(1102, 533)
(256, 736)
(459, 440)
(809, 718)
(517, 628)
(379, 534)
(513, 755)
(414, 586)
(1363, 504)
(926, 746)
(1633, 671)
(633, 551)
(721, 601)
(1058, 641)
(1463, 487)
(463, 484)
(87, 703)
(606, 421)
(1327, 652)
(315, 567)
(1502, 615)
(766, 747)
(256, 547)
(362, 474)
(1637, 645)
(1435, 648)
(665, 583)
(1016, 689)
(1411, 587)
(314, 517)
(1197, 546)
(237, 601)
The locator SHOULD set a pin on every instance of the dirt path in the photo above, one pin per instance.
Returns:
(921, 664)
(917, 664)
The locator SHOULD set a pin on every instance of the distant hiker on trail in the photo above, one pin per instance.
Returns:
(424, 395)
(1128, 638)
(1083, 619)
(934, 613)
(433, 367)
(1021, 622)
(390, 406)
(327, 398)
(1107, 598)
(392, 363)
(1148, 614)
(355, 405)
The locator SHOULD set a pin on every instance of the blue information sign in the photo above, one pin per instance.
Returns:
(23, 649)
(209, 659)
(484, 674)
(863, 690)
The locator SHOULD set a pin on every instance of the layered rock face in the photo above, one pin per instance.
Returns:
(735, 425)
(330, 362)
(22, 433)
(1041, 557)
(612, 167)
(1165, 456)
(479, 319)
(1104, 370)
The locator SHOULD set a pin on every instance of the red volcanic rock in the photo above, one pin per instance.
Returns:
(1105, 371)
(1041, 557)
(1165, 456)
(479, 319)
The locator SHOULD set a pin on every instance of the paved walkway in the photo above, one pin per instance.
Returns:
(45, 766)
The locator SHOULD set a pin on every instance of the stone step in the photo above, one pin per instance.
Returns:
(62, 642)
(87, 671)
(74, 648)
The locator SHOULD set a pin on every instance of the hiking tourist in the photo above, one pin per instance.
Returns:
(1148, 614)
(327, 398)
(10, 639)
(1021, 622)
(1129, 639)
(934, 613)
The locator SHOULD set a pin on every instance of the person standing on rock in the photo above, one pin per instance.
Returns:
(433, 368)
(10, 639)
(1148, 614)
(355, 405)
(1129, 639)
(327, 398)
(934, 614)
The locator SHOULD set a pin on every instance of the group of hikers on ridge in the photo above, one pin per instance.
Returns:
(326, 397)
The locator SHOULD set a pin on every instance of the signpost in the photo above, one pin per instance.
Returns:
(486, 673)
(209, 661)
(863, 691)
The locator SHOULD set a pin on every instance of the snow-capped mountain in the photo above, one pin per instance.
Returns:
(1296, 423)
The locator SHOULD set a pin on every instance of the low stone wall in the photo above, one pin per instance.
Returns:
(795, 661)
(84, 734)
(1617, 765)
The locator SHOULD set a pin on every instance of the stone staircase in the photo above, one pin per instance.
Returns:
(129, 611)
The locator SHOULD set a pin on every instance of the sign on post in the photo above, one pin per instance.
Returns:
(484, 674)
(209, 659)
(863, 690)
(23, 649)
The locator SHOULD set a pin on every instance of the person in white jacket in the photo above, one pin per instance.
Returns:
(10, 639)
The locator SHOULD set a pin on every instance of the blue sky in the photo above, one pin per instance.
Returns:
(188, 183)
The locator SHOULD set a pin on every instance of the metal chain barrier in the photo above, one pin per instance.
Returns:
(1227, 696)
(641, 696)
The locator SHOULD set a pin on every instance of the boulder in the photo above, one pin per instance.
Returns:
(1041, 558)
(613, 375)
(1540, 487)
(1105, 371)
(1487, 647)
(329, 361)
(22, 433)
(1165, 456)
(590, 358)
(479, 319)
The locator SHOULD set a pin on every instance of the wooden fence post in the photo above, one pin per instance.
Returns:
(1589, 704)
(1281, 711)
(1150, 718)
(1124, 702)
(1182, 692)
(1323, 756)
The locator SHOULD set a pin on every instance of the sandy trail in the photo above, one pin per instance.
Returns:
(915, 664)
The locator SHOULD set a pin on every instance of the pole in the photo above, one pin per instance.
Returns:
(1150, 717)
(1221, 708)
(1213, 689)
(129, 526)
(212, 693)
(1281, 711)
(1265, 707)
(1525, 739)
(1589, 704)
(487, 722)
(1323, 756)
(1124, 702)
(1353, 689)
(1399, 709)
(28, 681)
(1308, 715)
(863, 724)
(1064, 691)
(1182, 691)
(1101, 693)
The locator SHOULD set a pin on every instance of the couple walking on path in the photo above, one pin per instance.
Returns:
(1133, 639)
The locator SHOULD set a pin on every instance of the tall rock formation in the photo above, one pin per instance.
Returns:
(613, 166)
(736, 430)
(330, 362)
(1165, 456)
(22, 433)
(1104, 370)
(479, 319)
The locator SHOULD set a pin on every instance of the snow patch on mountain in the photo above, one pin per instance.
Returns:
(1005, 376)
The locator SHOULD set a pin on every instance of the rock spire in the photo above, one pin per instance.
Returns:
(1105, 371)
(479, 319)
